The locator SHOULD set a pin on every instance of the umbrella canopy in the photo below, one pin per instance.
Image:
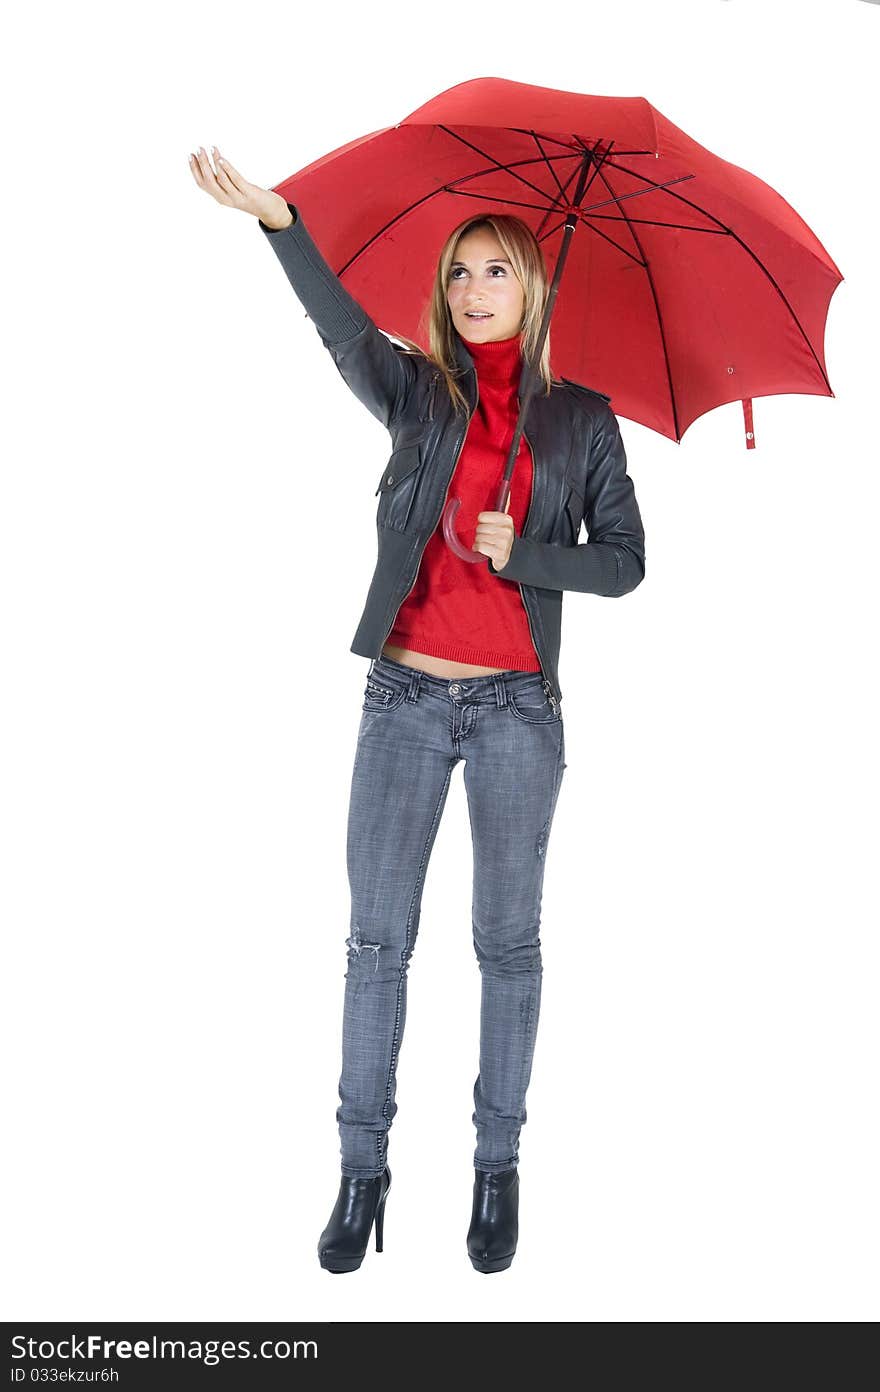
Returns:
(688, 282)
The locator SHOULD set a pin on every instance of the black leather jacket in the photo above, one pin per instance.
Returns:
(579, 467)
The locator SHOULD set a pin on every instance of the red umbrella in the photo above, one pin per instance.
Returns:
(688, 283)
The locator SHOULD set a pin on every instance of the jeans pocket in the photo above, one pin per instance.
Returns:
(382, 694)
(532, 705)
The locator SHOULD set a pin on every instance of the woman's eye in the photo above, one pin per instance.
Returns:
(453, 274)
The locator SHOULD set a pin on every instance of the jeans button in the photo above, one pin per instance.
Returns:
(455, 688)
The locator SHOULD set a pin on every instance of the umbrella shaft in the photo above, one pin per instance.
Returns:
(532, 373)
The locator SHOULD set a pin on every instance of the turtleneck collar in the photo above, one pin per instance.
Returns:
(500, 361)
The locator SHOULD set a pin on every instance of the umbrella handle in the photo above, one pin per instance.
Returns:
(464, 553)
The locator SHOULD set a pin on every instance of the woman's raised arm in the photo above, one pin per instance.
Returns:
(379, 374)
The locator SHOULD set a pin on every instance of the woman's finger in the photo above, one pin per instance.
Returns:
(224, 182)
(221, 174)
(201, 167)
(208, 179)
(237, 181)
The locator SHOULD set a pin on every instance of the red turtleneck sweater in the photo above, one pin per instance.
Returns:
(460, 610)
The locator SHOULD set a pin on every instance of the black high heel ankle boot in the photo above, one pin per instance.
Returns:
(343, 1243)
(494, 1229)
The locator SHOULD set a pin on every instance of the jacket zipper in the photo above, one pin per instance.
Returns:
(436, 521)
(548, 688)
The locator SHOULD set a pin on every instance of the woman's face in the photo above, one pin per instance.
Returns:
(482, 278)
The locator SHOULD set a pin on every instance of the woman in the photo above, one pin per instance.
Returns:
(464, 669)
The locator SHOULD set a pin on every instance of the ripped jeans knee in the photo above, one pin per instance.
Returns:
(356, 947)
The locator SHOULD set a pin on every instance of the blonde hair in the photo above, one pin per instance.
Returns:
(521, 248)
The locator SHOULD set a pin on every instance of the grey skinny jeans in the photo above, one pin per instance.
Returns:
(414, 729)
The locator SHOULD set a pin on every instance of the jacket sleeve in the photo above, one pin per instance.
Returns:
(612, 562)
(379, 375)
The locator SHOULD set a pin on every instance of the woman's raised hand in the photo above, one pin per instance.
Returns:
(232, 189)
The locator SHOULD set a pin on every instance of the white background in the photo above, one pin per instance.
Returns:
(180, 707)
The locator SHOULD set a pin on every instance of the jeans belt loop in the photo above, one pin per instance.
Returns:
(500, 691)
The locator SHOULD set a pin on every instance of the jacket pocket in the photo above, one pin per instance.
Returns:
(398, 484)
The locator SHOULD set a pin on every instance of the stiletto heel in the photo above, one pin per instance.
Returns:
(380, 1221)
(359, 1204)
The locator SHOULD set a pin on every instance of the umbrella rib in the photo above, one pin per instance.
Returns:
(548, 163)
(617, 246)
(672, 226)
(497, 198)
(555, 203)
(545, 235)
(584, 212)
(539, 232)
(504, 168)
(447, 188)
(495, 166)
(542, 235)
(653, 288)
(730, 233)
(520, 130)
(637, 193)
(404, 212)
